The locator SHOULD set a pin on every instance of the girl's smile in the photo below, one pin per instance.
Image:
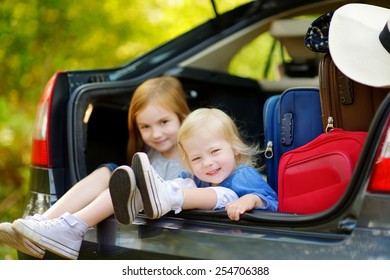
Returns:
(214, 172)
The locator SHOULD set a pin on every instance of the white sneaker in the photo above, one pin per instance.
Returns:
(62, 236)
(125, 196)
(158, 196)
(13, 239)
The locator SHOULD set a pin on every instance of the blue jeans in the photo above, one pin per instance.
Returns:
(111, 166)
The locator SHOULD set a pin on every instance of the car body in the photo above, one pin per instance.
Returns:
(73, 136)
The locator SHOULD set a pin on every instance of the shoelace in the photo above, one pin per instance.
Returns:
(158, 176)
(52, 224)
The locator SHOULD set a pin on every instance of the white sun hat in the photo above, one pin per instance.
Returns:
(359, 43)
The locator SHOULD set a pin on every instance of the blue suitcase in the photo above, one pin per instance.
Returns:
(291, 120)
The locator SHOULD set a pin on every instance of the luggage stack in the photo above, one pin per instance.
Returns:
(314, 137)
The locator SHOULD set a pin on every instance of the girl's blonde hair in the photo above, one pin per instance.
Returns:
(215, 120)
(167, 92)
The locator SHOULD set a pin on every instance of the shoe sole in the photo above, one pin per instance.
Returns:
(47, 243)
(146, 185)
(122, 188)
(15, 240)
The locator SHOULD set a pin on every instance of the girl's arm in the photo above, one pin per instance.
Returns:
(199, 198)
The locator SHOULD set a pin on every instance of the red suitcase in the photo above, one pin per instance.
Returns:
(314, 176)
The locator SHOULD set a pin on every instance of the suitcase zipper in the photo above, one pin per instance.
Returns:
(327, 106)
(329, 126)
(269, 153)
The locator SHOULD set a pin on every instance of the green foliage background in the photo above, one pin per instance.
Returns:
(39, 37)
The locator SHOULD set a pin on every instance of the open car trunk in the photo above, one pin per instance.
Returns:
(99, 114)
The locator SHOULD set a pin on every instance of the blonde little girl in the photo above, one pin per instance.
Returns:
(220, 167)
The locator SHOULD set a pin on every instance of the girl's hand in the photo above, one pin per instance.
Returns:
(245, 203)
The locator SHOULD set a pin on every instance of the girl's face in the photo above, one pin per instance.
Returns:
(210, 156)
(159, 127)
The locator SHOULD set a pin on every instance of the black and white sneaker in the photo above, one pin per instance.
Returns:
(158, 196)
(125, 196)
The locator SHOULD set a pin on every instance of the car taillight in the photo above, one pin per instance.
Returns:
(380, 178)
(41, 134)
